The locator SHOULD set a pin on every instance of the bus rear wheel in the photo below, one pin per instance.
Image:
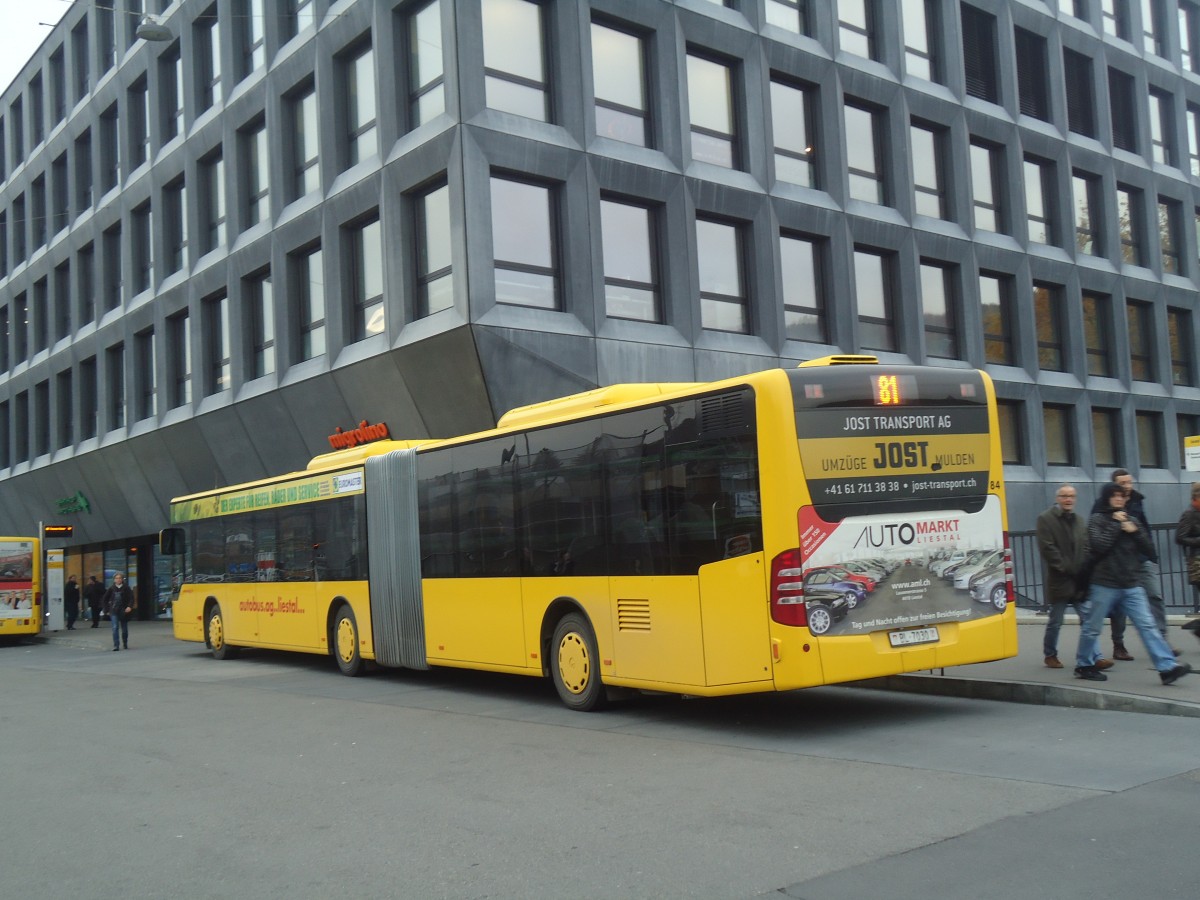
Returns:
(214, 635)
(575, 664)
(345, 643)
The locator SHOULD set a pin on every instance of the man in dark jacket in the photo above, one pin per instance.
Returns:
(1118, 544)
(121, 604)
(71, 601)
(93, 593)
(1062, 539)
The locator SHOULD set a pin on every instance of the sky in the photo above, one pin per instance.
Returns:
(21, 34)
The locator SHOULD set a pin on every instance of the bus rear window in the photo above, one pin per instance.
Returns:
(892, 437)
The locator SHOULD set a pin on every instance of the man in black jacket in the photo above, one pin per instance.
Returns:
(1118, 544)
(1061, 537)
(121, 604)
(93, 595)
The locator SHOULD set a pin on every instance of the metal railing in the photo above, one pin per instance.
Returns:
(1178, 595)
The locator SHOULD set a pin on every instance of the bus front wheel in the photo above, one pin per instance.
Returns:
(214, 635)
(576, 664)
(345, 643)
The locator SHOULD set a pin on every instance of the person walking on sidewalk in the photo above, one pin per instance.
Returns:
(1062, 537)
(121, 605)
(1187, 535)
(1118, 544)
(93, 593)
(71, 601)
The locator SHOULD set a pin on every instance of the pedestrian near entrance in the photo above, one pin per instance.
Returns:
(1187, 535)
(1062, 538)
(71, 601)
(93, 593)
(1117, 544)
(121, 605)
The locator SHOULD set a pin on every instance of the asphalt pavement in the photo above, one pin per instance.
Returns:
(1131, 686)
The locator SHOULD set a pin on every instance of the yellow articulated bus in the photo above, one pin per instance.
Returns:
(20, 586)
(837, 521)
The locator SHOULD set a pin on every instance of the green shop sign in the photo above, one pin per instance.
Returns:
(75, 504)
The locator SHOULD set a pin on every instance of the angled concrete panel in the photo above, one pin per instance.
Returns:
(229, 442)
(524, 367)
(374, 389)
(445, 376)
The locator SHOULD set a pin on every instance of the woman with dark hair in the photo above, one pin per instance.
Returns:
(1117, 546)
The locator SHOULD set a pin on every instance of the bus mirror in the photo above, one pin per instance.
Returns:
(171, 541)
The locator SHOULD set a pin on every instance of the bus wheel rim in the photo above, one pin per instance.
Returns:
(574, 663)
(216, 634)
(345, 640)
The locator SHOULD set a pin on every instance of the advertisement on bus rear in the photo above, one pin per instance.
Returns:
(903, 573)
(16, 579)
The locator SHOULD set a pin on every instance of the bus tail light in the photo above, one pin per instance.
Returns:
(1009, 590)
(787, 589)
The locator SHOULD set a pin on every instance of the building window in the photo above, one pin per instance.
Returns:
(175, 224)
(110, 150)
(792, 130)
(1189, 35)
(1153, 32)
(1179, 333)
(920, 42)
(630, 261)
(995, 300)
(1048, 317)
(791, 15)
(873, 289)
(856, 27)
(83, 171)
(979, 54)
(58, 85)
(170, 92)
(804, 303)
(86, 274)
(37, 193)
(250, 20)
(1086, 192)
(1081, 107)
(106, 38)
(985, 198)
(366, 278)
(1193, 138)
(41, 315)
(1170, 228)
(1129, 218)
(724, 302)
(212, 202)
(360, 140)
(619, 76)
(61, 195)
(260, 302)
(300, 14)
(1162, 134)
(142, 239)
(6, 458)
(64, 402)
(864, 154)
(21, 324)
(114, 361)
(5, 334)
(938, 310)
(1032, 84)
(1141, 341)
(1060, 435)
(710, 105)
(62, 301)
(3, 246)
(16, 116)
(179, 358)
(81, 67)
(37, 116)
(1039, 197)
(1150, 439)
(513, 59)
(20, 224)
(1114, 18)
(21, 437)
(1097, 335)
(1186, 426)
(41, 444)
(427, 95)
(1124, 110)
(216, 344)
(256, 173)
(1106, 432)
(147, 382)
(111, 258)
(308, 286)
(525, 254)
(207, 44)
(89, 399)
(137, 106)
(305, 171)
(435, 272)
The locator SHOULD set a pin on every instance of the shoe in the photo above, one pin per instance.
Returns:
(1053, 662)
(126, 646)
(1103, 664)
(1175, 674)
(115, 649)
(1091, 673)
(1119, 652)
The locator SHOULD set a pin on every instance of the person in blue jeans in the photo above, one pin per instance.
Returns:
(1118, 544)
(120, 603)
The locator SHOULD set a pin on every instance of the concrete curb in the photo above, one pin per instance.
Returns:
(1032, 693)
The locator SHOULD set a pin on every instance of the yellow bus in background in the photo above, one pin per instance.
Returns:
(20, 586)
(778, 530)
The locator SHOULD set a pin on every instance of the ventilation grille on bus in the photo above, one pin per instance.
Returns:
(726, 412)
(633, 615)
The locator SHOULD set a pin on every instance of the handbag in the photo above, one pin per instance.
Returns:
(1193, 569)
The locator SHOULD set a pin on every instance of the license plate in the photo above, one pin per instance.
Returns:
(912, 636)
